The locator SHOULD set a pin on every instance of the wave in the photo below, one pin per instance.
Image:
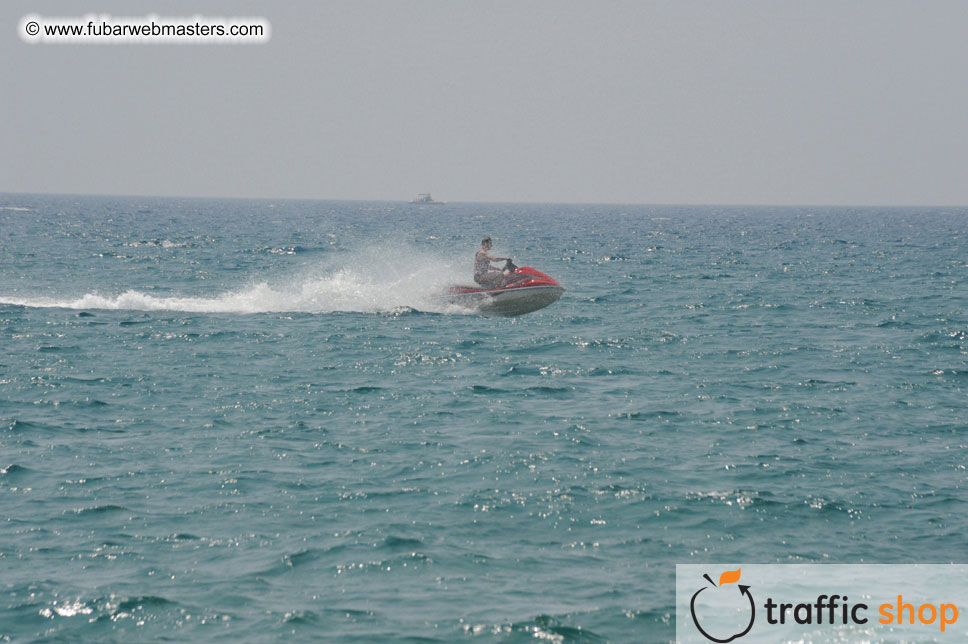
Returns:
(156, 243)
(374, 281)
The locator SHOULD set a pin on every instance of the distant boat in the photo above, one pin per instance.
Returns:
(424, 197)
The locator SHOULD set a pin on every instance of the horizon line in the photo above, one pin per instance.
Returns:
(453, 202)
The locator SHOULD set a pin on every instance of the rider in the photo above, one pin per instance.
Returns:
(485, 274)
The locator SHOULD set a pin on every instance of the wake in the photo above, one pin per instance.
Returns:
(375, 281)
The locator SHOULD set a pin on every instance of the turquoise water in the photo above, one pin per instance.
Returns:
(250, 421)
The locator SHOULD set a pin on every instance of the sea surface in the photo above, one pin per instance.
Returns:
(250, 421)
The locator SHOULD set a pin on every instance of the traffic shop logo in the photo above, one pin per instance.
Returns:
(720, 611)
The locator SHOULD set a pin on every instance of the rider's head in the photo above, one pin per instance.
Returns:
(486, 242)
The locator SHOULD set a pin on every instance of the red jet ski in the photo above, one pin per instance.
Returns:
(525, 290)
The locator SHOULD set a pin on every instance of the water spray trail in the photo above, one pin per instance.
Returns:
(374, 280)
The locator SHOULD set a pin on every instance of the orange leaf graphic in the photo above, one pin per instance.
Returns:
(729, 577)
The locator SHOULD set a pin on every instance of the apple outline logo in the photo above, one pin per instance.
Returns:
(726, 577)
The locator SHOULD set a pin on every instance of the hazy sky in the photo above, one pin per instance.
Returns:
(804, 102)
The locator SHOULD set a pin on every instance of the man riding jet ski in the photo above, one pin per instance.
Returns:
(485, 274)
(518, 291)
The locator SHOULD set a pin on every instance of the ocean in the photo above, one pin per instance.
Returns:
(251, 421)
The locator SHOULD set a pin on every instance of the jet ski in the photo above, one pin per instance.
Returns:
(525, 290)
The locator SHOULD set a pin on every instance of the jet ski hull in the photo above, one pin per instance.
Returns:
(526, 290)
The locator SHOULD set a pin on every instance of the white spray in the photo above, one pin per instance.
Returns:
(372, 280)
